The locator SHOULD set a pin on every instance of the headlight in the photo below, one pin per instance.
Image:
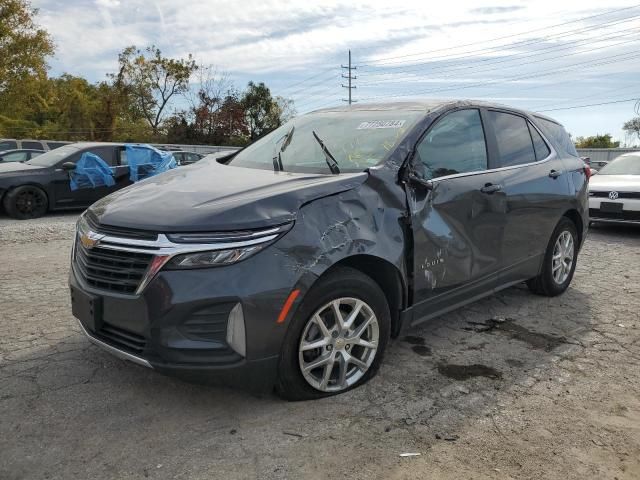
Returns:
(214, 258)
(220, 248)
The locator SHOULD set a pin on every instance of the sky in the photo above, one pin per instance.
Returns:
(542, 56)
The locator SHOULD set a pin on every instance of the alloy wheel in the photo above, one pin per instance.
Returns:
(30, 202)
(562, 259)
(338, 344)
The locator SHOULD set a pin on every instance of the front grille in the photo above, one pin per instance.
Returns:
(117, 231)
(626, 215)
(112, 270)
(620, 194)
(123, 339)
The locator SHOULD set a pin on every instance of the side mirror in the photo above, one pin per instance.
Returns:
(420, 181)
(68, 166)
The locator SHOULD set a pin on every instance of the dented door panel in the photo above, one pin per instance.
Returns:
(458, 232)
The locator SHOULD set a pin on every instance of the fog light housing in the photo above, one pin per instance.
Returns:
(236, 337)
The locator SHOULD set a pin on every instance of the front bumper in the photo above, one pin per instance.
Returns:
(629, 210)
(177, 325)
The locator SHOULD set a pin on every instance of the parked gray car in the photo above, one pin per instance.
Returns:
(292, 262)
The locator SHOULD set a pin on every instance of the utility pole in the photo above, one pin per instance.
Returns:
(349, 77)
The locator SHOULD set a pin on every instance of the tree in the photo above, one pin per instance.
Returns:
(151, 81)
(23, 46)
(261, 110)
(632, 127)
(207, 100)
(596, 141)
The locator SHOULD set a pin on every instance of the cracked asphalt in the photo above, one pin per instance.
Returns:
(514, 386)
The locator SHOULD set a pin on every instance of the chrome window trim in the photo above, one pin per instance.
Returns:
(552, 154)
(113, 350)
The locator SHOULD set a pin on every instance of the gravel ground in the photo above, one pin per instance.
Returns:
(514, 386)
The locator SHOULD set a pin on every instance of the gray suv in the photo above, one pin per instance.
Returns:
(291, 263)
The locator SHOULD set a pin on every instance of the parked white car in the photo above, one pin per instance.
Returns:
(614, 193)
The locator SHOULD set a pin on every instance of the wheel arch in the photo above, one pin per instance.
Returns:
(575, 217)
(47, 194)
(388, 278)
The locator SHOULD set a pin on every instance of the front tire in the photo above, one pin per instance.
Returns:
(25, 202)
(559, 261)
(336, 339)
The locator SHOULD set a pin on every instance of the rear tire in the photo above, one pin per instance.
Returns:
(559, 262)
(352, 358)
(25, 202)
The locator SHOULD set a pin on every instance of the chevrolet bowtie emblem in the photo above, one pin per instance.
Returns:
(90, 239)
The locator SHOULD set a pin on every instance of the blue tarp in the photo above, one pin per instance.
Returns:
(91, 172)
(146, 161)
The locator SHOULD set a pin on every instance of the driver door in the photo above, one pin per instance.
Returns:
(458, 224)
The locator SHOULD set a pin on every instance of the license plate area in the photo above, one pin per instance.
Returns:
(87, 308)
(611, 207)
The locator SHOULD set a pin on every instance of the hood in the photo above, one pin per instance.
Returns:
(621, 183)
(17, 167)
(208, 196)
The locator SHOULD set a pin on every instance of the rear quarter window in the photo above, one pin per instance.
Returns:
(54, 145)
(34, 145)
(8, 145)
(558, 134)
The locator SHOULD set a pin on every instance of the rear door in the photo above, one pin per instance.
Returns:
(533, 182)
(457, 225)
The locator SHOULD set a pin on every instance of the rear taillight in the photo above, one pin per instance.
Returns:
(587, 172)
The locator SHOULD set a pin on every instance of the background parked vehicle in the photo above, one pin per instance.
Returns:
(32, 188)
(186, 158)
(614, 194)
(293, 261)
(45, 145)
(21, 155)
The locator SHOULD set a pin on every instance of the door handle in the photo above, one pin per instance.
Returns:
(491, 188)
(554, 174)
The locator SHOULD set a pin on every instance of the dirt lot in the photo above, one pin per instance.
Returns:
(515, 386)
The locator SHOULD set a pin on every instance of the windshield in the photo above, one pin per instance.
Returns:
(356, 140)
(626, 165)
(52, 157)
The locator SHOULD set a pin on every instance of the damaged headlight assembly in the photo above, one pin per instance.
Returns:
(226, 248)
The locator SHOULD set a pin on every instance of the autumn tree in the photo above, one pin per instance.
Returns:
(151, 81)
(23, 45)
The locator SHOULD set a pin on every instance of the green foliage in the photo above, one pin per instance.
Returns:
(132, 104)
(151, 80)
(596, 141)
(261, 111)
(23, 46)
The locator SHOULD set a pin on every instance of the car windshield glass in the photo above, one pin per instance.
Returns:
(357, 140)
(627, 165)
(52, 157)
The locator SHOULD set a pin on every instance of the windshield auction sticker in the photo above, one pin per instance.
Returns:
(381, 124)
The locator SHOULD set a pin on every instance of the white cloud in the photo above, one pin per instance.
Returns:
(285, 42)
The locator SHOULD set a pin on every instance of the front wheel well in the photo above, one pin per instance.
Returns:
(388, 278)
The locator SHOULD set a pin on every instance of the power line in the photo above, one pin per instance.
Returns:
(518, 77)
(287, 87)
(571, 100)
(590, 105)
(476, 71)
(505, 36)
(514, 57)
